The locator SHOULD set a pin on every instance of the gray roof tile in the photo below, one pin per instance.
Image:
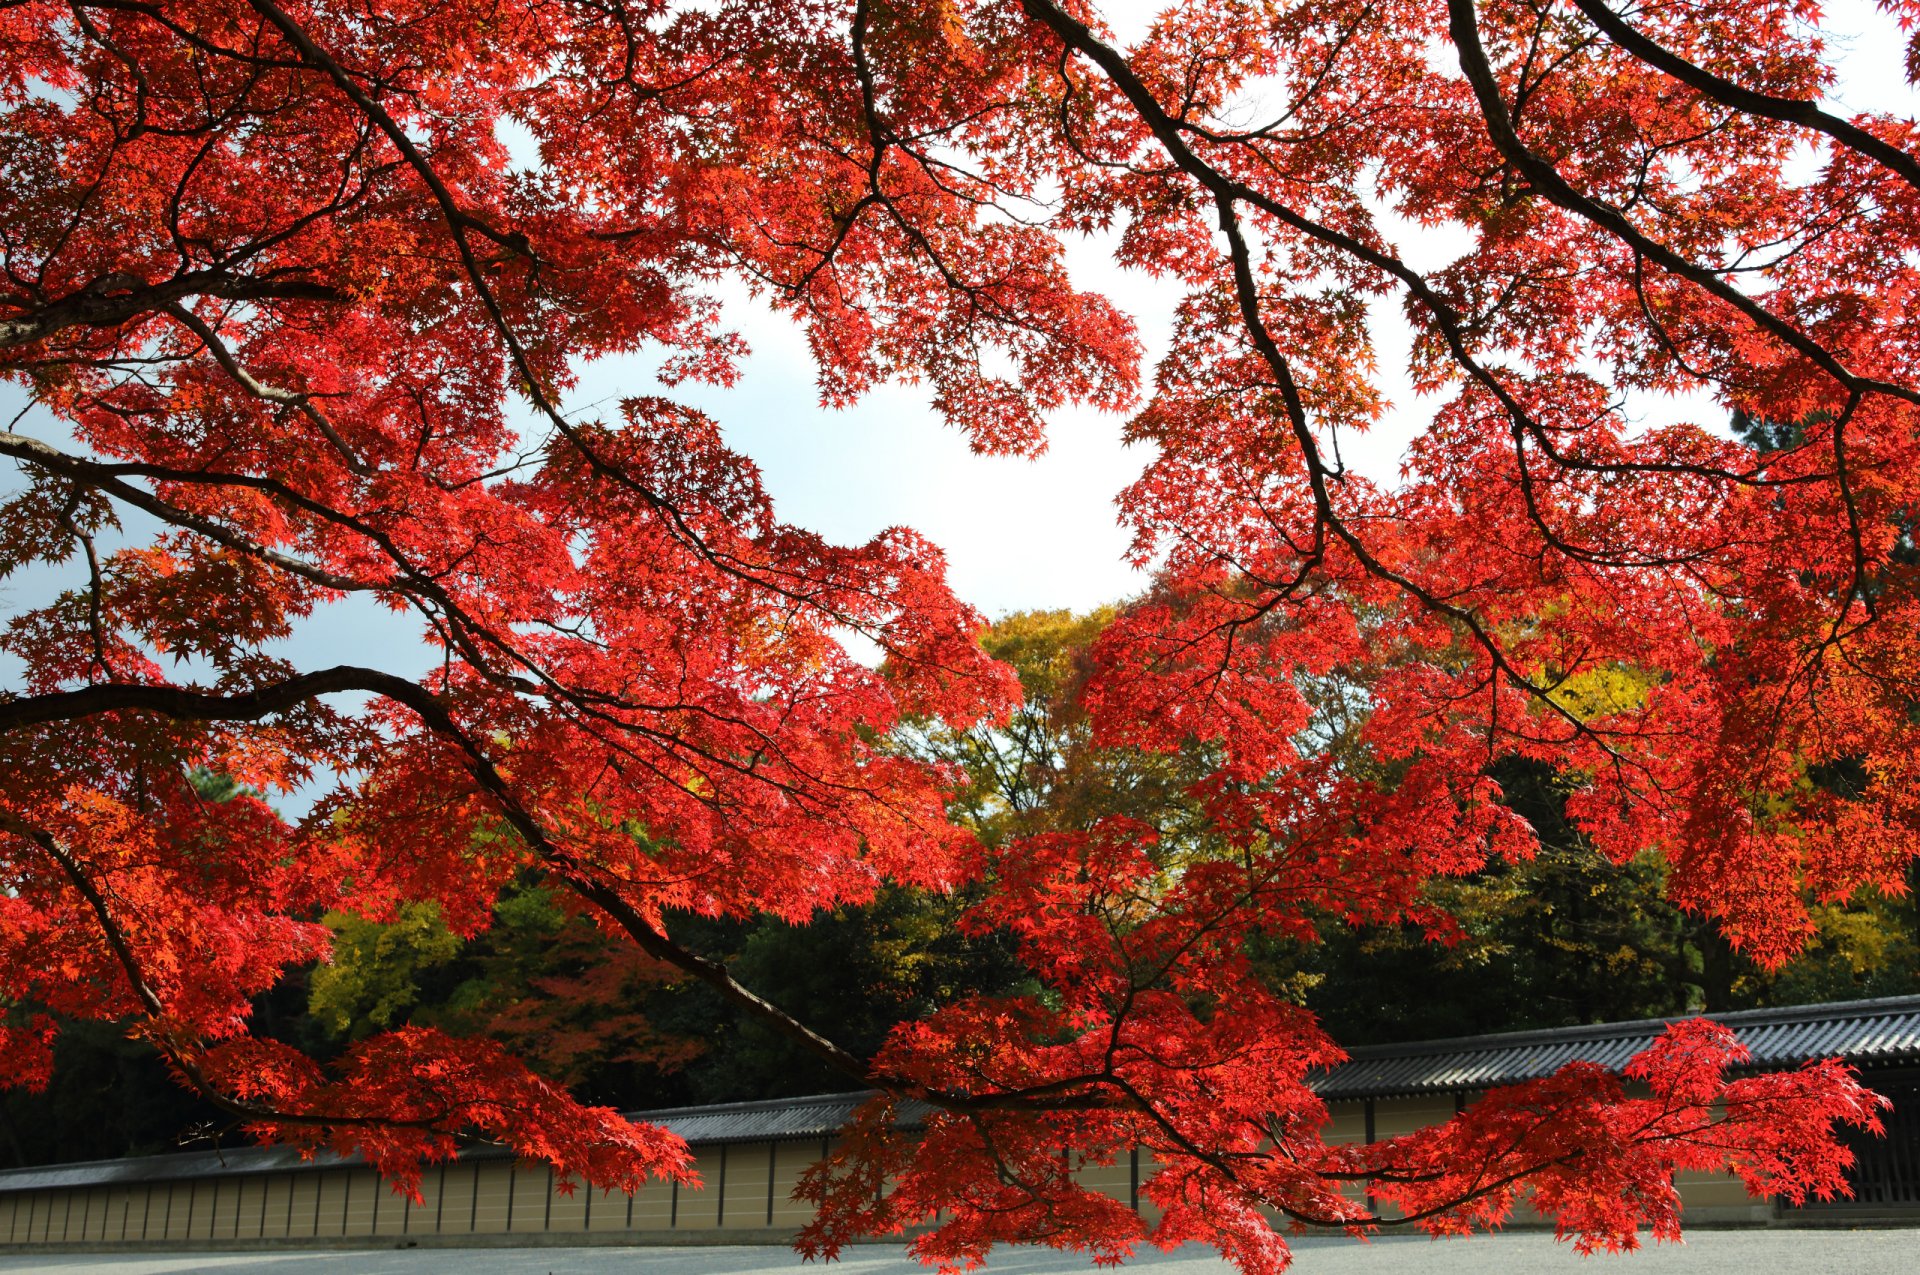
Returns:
(1865, 1033)
(777, 1119)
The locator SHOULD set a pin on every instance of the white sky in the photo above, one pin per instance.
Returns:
(1019, 533)
(1043, 533)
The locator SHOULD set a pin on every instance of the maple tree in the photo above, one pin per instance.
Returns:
(279, 292)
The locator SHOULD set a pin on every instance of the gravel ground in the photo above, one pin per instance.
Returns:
(1742, 1252)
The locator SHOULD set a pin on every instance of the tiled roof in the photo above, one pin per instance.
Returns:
(235, 1162)
(776, 1119)
(1867, 1033)
(813, 1117)
(1864, 1032)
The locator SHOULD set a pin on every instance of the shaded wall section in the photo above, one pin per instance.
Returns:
(751, 1155)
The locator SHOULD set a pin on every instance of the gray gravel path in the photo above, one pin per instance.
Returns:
(1743, 1252)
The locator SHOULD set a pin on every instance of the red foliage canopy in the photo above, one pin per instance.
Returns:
(277, 285)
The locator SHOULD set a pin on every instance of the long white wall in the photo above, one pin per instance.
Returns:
(748, 1188)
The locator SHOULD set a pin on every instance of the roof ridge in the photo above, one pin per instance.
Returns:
(253, 1152)
(750, 1104)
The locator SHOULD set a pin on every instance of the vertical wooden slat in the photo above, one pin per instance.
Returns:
(794, 1159)
(772, 1173)
(1372, 1206)
(319, 1198)
(533, 1195)
(494, 1191)
(454, 1207)
(567, 1214)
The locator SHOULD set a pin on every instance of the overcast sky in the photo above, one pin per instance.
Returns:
(1019, 533)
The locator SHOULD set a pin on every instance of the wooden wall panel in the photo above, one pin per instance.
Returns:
(172, 1211)
(223, 1211)
(1712, 1191)
(276, 1205)
(1349, 1123)
(362, 1193)
(249, 1207)
(655, 1206)
(417, 1219)
(113, 1213)
(1111, 1180)
(532, 1192)
(791, 1159)
(1395, 1116)
(454, 1211)
(120, 1212)
(493, 1184)
(84, 1226)
(331, 1202)
(139, 1210)
(699, 1208)
(1142, 1168)
(392, 1210)
(192, 1210)
(747, 1186)
(605, 1210)
(749, 1177)
(335, 1197)
(304, 1204)
(568, 1213)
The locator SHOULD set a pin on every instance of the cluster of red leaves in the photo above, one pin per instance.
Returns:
(1237, 1151)
(276, 283)
(1601, 1162)
(396, 1099)
(1760, 606)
